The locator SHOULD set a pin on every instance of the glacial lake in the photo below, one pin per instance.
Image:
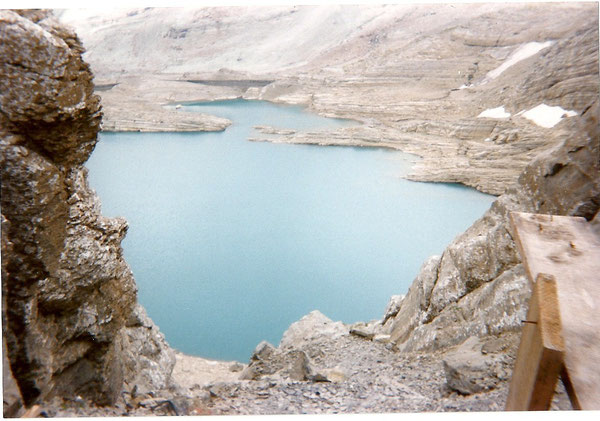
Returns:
(231, 241)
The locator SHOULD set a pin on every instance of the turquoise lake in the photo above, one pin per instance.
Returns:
(230, 241)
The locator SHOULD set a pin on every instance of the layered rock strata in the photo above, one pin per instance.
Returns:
(70, 319)
(478, 286)
(68, 295)
(417, 76)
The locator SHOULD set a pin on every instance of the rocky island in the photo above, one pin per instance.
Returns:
(503, 98)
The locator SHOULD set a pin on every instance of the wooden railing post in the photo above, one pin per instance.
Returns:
(540, 356)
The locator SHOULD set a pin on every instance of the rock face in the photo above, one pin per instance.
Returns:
(478, 286)
(147, 358)
(68, 294)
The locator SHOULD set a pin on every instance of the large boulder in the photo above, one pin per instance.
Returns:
(314, 325)
(290, 361)
(470, 368)
(268, 361)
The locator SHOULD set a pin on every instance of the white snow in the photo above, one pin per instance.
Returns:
(521, 53)
(498, 112)
(546, 116)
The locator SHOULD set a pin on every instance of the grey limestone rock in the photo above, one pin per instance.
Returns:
(393, 307)
(267, 360)
(311, 326)
(291, 359)
(147, 358)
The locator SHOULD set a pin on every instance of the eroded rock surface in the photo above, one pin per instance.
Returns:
(68, 294)
(417, 76)
(478, 286)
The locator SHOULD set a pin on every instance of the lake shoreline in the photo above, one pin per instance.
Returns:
(325, 206)
(476, 152)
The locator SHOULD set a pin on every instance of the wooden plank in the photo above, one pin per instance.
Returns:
(32, 412)
(540, 355)
(567, 248)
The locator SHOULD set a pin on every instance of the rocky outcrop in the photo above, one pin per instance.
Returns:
(290, 359)
(68, 294)
(314, 325)
(147, 358)
(478, 286)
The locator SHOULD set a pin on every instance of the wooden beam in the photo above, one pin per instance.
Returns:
(32, 412)
(540, 355)
(568, 249)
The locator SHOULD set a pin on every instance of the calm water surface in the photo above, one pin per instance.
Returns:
(231, 241)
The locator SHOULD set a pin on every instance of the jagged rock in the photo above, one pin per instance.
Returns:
(147, 358)
(412, 312)
(309, 327)
(468, 370)
(267, 360)
(68, 293)
(262, 352)
(393, 307)
(297, 366)
(478, 286)
(261, 362)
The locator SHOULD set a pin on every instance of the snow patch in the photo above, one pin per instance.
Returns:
(521, 53)
(546, 116)
(498, 112)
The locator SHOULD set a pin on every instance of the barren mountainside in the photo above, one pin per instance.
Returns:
(500, 97)
(418, 76)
